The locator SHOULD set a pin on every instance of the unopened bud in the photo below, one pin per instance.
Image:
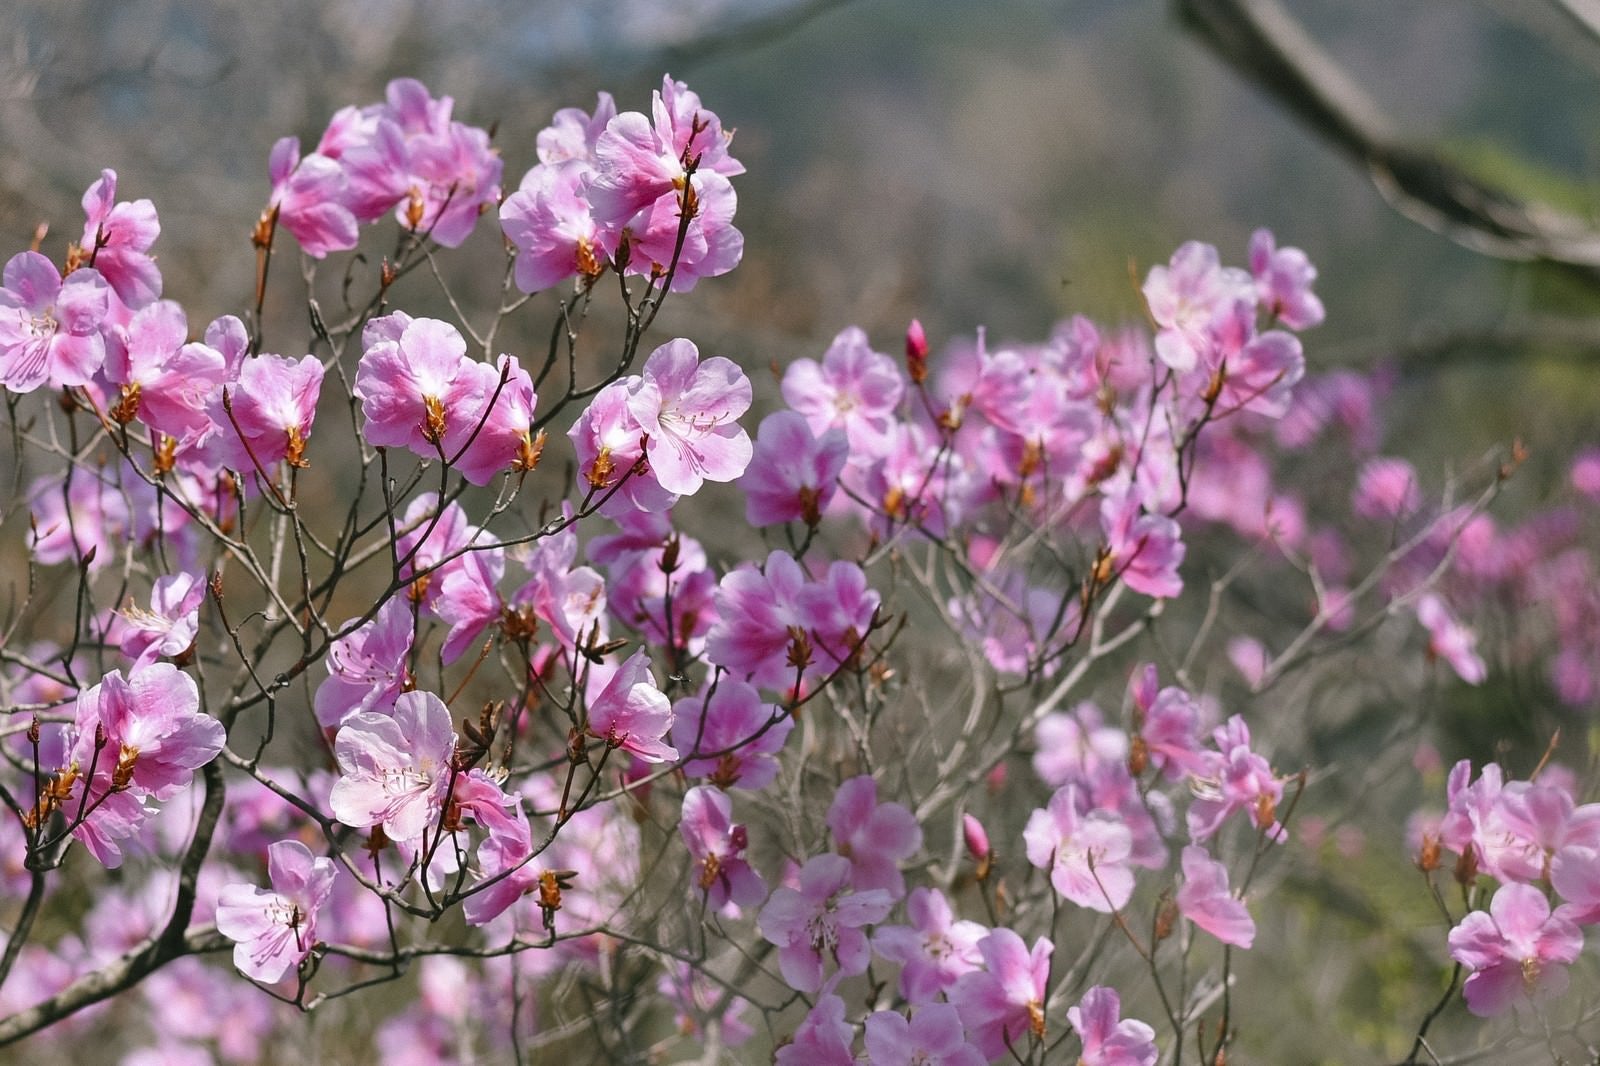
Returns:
(1166, 918)
(1138, 755)
(1466, 870)
(1428, 857)
(916, 352)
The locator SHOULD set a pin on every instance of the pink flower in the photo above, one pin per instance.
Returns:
(932, 1038)
(738, 732)
(609, 443)
(413, 387)
(1185, 296)
(72, 519)
(50, 328)
(854, 389)
(116, 241)
(168, 628)
(792, 475)
(394, 770)
(493, 434)
(573, 132)
(819, 920)
(756, 609)
(273, 405)
(275, 931)
(875, 837)
(549, 223)
(1238, 781)
(1205, 900)
(823, 1039)
(688, 411)
(1517, 952)
(934, 950)
(165, 381)
(1144, 550)
(1108, 1040)
(631, 713)
(1575, 875)
(717, 845)
(367, 667)
(156, 735)
(1283, 282)
(1086, 852)
(1386, 490)
(311, 196)
(1585, 474)
(1451, 641)
(1003, 1004)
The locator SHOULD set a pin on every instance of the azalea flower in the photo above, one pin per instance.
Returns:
(275, 930)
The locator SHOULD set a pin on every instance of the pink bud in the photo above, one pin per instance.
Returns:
(916, 351)
(976, 837)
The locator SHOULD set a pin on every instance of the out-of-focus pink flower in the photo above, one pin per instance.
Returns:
(1002, 1004)
(1386, 490)
(716, 844)
(1185, 296)
(820, 920)
(1575, 875)
(854, 389)
(50, 328)
(875, 837)
(934, 950)
(1585, 474)
(1518, 951)
(792, 475)
(1283, 282)
(394, 770)
(1450, 640)
(1239, 780)
(76, 517)
(631, 713)
(933, 1037)
(1108, 1039)
(116, 241)
(1205, 900)
(1086, 852)
(1144, 550)
(275, 931)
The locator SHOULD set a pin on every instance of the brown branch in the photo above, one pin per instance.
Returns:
(1263, 42)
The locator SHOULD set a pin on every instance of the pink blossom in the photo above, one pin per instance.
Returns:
(367, 666)
(1585, 474)
(756, 610)
(695, 999)
(1108, 1040)
(275, 931)
(823, 1039)
(1205, 900)
(492, 436)
(1143, 549)
(609, 442)
(156, 734)
(50, 328)
(688, 411)
(78, 516)
(1386, 490)
(549, 223)
(169, 627)
(1517, 951)
(837, 612)
(1450, 640)
(854, 389)
(631, 713)
(1070, 748)
(717, 844)
(1086, 851)
(1238, 781)
(739, 734)
(435, 542)
(975, 837)
(311, 196)
(573, 132)
(165, 380)
(1003, 1004)
(274, 403)
(116, 241)
(413, 388)
(875, 837)
(933, 1037)
(469, 598)
(1575, 875)
(821, 919)
(639, 160)
(1185, 296)
(934, 950)
(394, 770)
(1283, 282)
(792, 475)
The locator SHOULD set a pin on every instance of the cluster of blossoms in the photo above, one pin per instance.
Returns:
(647, 710)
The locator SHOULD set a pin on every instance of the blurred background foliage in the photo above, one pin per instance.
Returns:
(999, 164)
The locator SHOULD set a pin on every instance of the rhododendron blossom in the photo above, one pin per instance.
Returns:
(394, 770)
(275, 930)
